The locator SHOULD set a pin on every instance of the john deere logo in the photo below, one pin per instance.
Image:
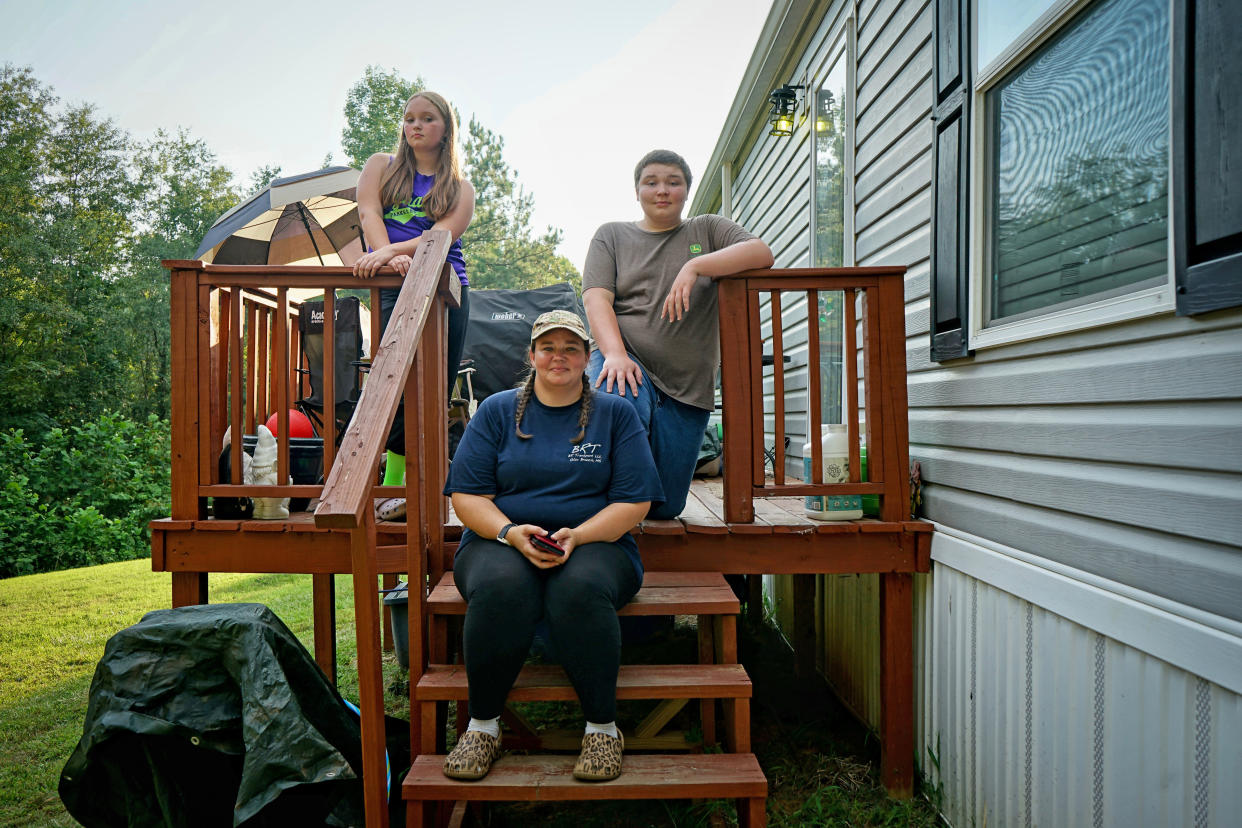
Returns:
(696, 249)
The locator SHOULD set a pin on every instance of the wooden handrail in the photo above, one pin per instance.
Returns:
(346, 492)
(346, 499)
(235, 350)
(881, 290)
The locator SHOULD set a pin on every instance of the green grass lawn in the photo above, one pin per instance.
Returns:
(53, 627)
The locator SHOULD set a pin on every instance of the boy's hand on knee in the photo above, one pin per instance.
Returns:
(622, 371)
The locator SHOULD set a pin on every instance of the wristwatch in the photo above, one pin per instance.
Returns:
(504, 530)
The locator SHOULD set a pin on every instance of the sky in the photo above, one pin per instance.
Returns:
(579, 89)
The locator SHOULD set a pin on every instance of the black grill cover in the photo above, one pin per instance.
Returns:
(498, 337)
(209, 716)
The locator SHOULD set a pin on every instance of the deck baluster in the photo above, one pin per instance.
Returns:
(778, 389)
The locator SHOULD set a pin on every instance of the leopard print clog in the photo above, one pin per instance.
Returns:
(600, 759)
(473, 755)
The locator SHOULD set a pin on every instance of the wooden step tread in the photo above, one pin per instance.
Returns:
(548, 682)
(550, 778)
(712, 597)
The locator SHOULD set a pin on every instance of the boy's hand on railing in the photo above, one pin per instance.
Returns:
(677, 303)
(621, 370)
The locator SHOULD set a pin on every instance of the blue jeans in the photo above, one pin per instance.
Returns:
(675, 431)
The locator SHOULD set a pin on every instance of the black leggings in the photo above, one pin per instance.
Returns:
(458, 321)
(506, 596)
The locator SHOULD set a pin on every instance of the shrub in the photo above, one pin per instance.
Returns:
(82, 495)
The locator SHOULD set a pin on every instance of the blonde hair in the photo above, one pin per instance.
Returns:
(398, 181)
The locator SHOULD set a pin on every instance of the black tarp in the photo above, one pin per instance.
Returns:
(498, 337)
(213, 716)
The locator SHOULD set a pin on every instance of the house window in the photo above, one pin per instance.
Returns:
(1075, 163)
(833, 227)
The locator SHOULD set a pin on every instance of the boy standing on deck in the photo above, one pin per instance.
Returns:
(653, 315)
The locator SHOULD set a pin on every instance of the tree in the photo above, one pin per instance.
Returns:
(26, 122)
(184, 191)
(373, 111)
(263, 176)
(502, 250)
(61, 253)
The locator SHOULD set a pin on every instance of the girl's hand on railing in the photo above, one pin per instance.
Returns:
(401, 263)
(370, 263)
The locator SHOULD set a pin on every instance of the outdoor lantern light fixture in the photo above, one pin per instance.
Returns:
(824, 113)
(784, 107)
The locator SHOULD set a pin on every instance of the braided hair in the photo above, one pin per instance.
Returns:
(527, 388)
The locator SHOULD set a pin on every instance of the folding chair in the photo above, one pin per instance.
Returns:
(348, 362)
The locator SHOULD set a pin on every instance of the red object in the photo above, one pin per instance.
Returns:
(299, 424)
(546, 544)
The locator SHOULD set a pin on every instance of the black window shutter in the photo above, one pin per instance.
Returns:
(1207, 155)
(950, 184)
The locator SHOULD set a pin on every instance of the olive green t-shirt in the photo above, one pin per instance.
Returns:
(639, 266)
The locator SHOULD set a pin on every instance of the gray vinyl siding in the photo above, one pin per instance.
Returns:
(1116, 450)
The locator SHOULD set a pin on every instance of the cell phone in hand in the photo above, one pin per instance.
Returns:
(546, 544)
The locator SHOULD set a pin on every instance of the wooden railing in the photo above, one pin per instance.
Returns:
(235, 354)
(873, 302)
(410, 360)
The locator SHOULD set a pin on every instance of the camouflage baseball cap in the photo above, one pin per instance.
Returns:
(554, 319)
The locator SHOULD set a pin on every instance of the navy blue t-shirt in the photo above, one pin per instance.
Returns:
(547, 480)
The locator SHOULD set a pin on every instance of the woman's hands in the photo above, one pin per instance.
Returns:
(519, 538)
(370, 263)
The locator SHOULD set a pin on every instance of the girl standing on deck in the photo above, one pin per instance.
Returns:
(400, 196)
(551, 461)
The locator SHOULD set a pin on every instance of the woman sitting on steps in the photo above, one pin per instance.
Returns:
(549, 462)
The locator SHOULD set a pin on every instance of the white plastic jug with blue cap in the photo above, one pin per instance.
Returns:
(835, 458)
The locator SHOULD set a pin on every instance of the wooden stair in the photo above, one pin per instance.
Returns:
(547, 777)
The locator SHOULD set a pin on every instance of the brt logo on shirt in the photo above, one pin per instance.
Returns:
(586, 453)
(696, 249)
(405, 213)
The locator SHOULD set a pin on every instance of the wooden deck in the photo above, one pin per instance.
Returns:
(235, 355)
(780, 540)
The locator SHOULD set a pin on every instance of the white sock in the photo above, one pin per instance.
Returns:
(610, 728)
(489, 726)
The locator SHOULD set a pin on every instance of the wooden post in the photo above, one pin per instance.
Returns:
(892, 361)
(323, 603)
(897, 683)
(187, 587)
(736, 393)
(804, 626)
(370, 672)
